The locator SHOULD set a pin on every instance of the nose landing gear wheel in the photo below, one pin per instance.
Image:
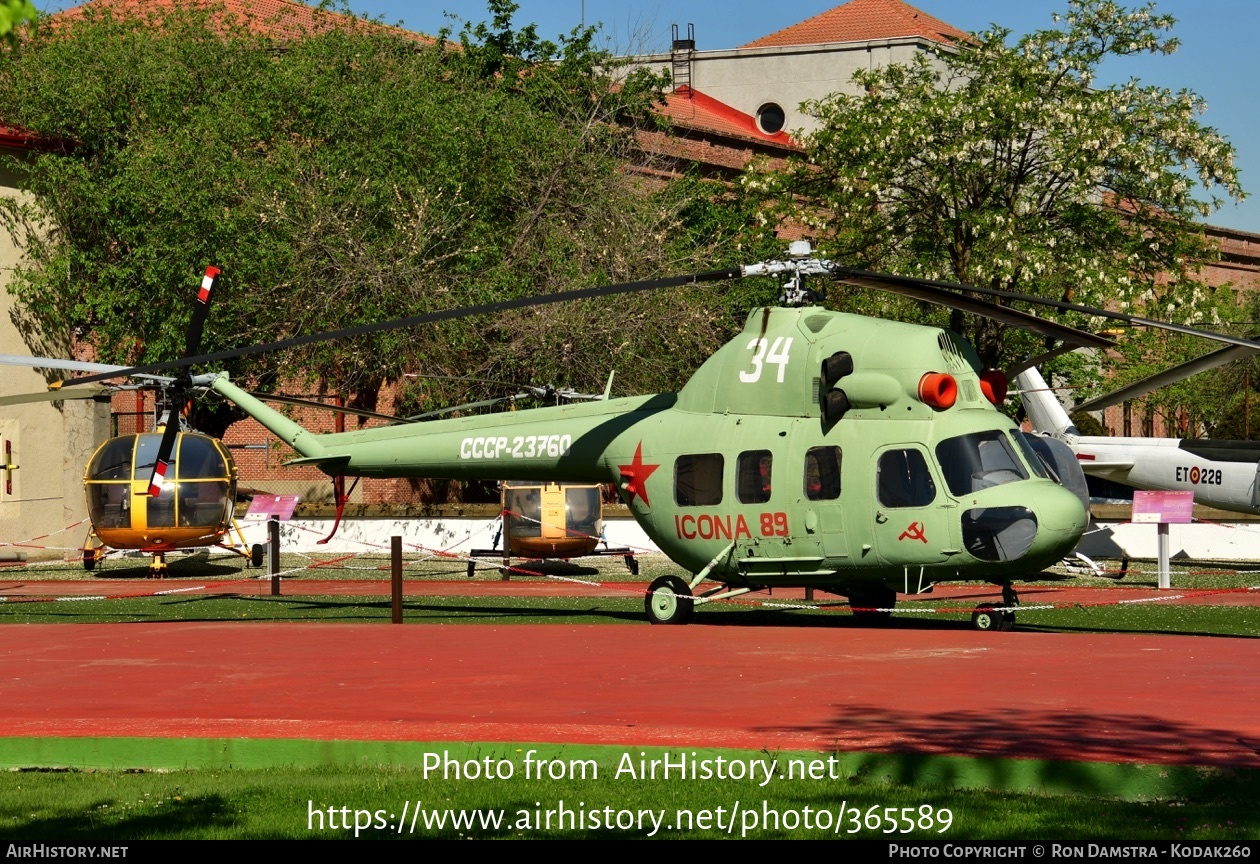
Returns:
(256, 555)
(987, 617)
(669, 601)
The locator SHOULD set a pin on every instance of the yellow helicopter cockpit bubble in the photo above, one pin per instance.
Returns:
(198, 497)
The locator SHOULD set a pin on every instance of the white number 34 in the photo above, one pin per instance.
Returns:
(778, 355)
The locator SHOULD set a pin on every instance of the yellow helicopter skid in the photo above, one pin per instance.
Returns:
(547, 547)
(163, 540)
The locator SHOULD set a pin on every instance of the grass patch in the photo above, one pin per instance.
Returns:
(1157, 618)
(945, 797)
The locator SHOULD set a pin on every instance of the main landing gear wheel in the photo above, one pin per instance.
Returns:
(987, 617)
(669, 601)
(256, 555)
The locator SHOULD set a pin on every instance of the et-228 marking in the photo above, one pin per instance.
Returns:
(516, 447)
(1197, 475)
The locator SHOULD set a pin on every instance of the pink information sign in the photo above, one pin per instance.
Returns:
(1163, 507)
(280, 506)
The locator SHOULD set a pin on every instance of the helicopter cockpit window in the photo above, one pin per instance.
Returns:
(979, 461)
(822, 473)
(754, 476)
(199, 459)
(109, 504)
(904, 479)
(113, 460)
(524, 504)
(203, 482)
(146, 454)
(161, 510)
(1039, 466)
(581, 508)
(698, 480)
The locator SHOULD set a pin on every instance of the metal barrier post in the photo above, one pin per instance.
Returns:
(395, 576)
(273, 562)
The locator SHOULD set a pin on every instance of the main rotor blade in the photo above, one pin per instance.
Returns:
(201, 308)
(1219, 357)
(1135, 320)
(946, 294)
(322, 406)
(71, 366)
(164, 462)
(484, 403)
(430, 318)
(55, 395)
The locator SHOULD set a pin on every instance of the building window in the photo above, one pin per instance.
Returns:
(771, 119)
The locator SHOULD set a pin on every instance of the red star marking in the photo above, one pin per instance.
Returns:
(636, 474)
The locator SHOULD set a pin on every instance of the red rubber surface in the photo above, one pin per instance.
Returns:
(942, 689)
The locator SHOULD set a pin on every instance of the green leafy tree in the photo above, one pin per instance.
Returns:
(1008, 166)
(13, 14)
(342, 177)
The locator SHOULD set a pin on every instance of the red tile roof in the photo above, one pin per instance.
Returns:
(279, 19)
(859, 21)
(689, 108)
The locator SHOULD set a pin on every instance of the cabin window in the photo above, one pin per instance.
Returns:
(822, 473)
(753, 484)
(904, 479)
(979, 461)
(698, 480)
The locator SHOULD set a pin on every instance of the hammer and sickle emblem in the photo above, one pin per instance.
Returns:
(913, 532)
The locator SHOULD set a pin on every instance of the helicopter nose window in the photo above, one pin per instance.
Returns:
(999, 533)
(754, 476)
(904, 479)
(698, 480)
(979, 461)
(822, 473)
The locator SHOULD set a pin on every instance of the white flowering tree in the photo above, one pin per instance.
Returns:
(1008, 166)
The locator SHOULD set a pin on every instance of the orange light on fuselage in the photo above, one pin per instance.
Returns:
(993, 385)
(938, 389)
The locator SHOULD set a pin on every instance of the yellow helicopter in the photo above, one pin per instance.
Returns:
(543, 521)
(136, 501)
